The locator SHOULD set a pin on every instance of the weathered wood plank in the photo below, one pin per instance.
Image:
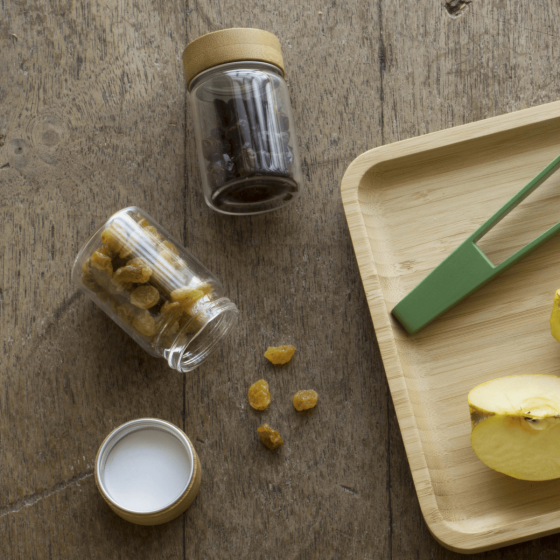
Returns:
(94, 117)
(92, 120)
(325, 492)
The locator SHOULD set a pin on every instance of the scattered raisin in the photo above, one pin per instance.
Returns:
(259, 395)
(144, 323)
(144, 297)
(271, 438)
(280, 355)
(304, 400)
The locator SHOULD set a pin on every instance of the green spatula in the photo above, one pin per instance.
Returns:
(467, 269)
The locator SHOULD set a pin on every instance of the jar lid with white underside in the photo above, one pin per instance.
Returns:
(147, 471)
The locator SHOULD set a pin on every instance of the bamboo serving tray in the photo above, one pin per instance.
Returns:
(408, 206)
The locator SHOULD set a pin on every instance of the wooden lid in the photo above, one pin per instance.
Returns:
(231, 45)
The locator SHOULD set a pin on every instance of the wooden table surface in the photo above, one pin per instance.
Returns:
(94, 117)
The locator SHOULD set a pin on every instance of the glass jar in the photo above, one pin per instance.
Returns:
(245, 134)
(154, 289)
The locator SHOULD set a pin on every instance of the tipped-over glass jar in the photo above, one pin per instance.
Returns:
(245, 134)
(154, 289)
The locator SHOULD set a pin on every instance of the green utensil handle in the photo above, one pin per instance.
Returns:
(467, 269)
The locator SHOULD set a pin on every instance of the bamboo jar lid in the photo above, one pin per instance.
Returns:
(147, 471)
(231, 45)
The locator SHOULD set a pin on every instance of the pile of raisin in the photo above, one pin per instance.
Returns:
(136, 290)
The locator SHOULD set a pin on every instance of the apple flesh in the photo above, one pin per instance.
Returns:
(516, 425)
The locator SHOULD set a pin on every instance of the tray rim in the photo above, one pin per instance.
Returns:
(447, 535)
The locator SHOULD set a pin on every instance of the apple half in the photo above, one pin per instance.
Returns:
(516, 425)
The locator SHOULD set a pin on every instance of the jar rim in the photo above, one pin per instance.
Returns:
(122, 432)
(223, 315)
(239, 64)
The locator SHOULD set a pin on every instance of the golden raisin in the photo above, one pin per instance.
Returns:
(205, 288)
(280, 355)
(167, 324)
(137, 261)
(144, 323)
(87, 277)
(171, 308)
(304, 400)
(136, 270)
(115, 241)
(101, 261)
(271, 438)
(153, 232)
(186, 296)
(170, 254)
(126, 312)
(259, 395)
(98, 278)
(168, 246)
(144, 297)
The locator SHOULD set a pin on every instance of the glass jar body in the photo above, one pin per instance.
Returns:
(154, 289)
(246, 140)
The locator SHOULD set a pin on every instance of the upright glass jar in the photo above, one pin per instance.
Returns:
(245, 134)
(154, 289)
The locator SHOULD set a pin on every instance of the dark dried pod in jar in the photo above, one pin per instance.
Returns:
(212, 149)
(285, 139)
(289, 158)
(263, 161)
(246, 161)
(227, 164)
(245, 104)
(233, 137)
(283, 122)
(262, 140)
(222, 113)
(244, 130)
(218, 133)
(217, 175)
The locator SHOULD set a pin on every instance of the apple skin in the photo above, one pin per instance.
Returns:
(555, 317)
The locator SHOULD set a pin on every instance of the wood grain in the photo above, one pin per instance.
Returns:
(502, 329)
(94, 117)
